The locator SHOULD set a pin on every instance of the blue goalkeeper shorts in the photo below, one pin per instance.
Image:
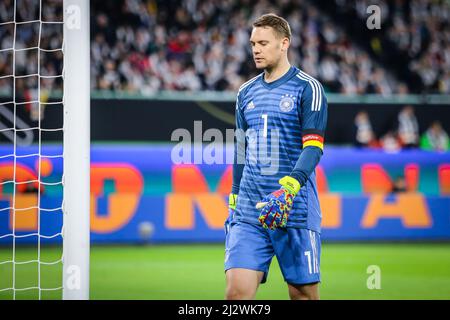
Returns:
(250, 246)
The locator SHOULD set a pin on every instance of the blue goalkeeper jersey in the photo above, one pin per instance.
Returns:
(280, 119)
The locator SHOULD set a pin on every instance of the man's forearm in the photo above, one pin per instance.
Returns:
(306, 163)
(239, 160)
(237, 175)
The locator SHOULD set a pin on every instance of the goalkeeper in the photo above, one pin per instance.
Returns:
(277, 213)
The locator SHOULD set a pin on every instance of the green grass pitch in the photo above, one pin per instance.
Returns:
(179, 272)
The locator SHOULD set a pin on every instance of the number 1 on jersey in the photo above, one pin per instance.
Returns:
(264, 116)
(308, 255)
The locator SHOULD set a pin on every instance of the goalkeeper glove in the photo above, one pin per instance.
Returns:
(276, 206)
(232, 200)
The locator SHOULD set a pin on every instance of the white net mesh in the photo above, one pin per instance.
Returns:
(31, 129)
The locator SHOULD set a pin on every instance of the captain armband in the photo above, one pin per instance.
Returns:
(313, 138)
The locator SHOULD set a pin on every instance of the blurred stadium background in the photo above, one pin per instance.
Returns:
(158, 66)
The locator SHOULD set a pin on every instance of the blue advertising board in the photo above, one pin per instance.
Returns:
(140, 193)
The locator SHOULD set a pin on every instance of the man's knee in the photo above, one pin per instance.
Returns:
(242, 284)
(304, 292)
(304, 296)
(236, 292)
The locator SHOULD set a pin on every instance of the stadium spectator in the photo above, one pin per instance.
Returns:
(408, 128)
(364, 136)
(435, 138)
(390, 143)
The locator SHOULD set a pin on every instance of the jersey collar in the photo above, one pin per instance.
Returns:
(270, 85)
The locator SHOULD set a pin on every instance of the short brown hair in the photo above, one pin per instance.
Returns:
(280, 25)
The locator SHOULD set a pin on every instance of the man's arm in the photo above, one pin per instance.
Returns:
(239, 148)
(313, 113)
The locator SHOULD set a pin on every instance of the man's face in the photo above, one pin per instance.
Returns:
(267, 47)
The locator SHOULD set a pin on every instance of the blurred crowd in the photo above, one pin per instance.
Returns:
(28, 49)
(405, 134)
(419, 30)
(423, 31)
(152, 45)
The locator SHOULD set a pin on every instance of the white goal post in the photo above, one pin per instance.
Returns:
(76, 206)
(27, 35)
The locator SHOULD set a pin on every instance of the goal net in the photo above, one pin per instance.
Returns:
(36, 259)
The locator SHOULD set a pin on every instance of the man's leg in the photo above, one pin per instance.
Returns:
(304, 291)
(298, 254)
(248, 253)
(242, 283)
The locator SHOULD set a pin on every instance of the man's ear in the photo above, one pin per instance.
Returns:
(285, 44)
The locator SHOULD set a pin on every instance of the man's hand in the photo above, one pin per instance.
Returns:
(276, 206)
(232, 200)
